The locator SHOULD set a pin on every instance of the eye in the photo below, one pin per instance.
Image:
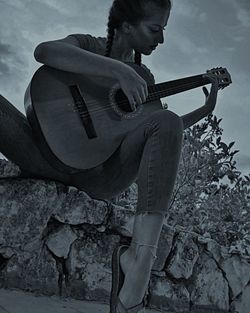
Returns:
(157, 30)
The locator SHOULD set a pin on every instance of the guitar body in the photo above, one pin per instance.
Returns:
(74, 120)
(79, 122)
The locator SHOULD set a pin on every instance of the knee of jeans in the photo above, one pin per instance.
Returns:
(167, 121)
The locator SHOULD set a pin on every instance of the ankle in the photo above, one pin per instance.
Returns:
(142, 252)
(130, 253)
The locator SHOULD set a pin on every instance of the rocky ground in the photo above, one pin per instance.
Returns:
(56, 240)
(14, 301)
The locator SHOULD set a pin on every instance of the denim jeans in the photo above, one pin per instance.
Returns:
(149, 154)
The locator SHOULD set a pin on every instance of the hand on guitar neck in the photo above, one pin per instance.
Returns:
(211, 97)
(215, 78)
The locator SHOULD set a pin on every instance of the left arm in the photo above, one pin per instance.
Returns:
(196, 115)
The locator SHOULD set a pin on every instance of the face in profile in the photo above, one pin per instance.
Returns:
(146, 36)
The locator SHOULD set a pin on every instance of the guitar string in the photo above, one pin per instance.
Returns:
(158, 93)
(151, 97)
(106, 107)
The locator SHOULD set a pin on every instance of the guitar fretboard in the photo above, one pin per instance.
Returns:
(172, 87)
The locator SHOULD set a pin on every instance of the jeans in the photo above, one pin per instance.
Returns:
(149, 154)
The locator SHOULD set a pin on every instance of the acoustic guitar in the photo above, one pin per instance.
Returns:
(79, 122)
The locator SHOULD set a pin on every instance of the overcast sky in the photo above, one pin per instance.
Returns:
(200, 35)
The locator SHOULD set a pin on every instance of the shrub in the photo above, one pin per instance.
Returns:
(211, 196)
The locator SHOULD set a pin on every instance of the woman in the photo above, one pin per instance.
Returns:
(150, 153)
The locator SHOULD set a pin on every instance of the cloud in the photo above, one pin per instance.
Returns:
(201, 31)
(243, 163)
(11, 68)
(31, 22)
(4, 53)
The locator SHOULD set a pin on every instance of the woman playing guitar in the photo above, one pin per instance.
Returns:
(150, 152)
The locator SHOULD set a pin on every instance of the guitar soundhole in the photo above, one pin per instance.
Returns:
(83, 112)
(122, 101)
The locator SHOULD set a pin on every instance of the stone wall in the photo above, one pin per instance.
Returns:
(57, 240)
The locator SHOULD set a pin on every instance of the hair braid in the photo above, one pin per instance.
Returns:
(137, 58)
(110, 39)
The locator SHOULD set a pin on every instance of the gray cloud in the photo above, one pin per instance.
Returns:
(243, 161)
(4, 53)
(203, 32)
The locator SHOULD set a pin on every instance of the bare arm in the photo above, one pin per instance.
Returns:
(66, 55)
(195, 116)
(211, 98)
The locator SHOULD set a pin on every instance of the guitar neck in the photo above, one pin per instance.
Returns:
(172, 87)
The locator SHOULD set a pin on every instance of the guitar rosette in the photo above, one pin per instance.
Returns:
(115, 105)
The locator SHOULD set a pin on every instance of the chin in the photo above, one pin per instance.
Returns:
(147, 52)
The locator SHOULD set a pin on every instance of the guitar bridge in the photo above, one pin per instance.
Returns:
(83, 112)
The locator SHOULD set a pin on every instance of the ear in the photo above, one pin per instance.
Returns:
(126, 28)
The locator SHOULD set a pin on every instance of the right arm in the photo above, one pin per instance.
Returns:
(66, 55)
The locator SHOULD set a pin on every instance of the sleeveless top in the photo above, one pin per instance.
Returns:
(98, 45)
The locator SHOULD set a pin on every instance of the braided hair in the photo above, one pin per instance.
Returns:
(131, 11)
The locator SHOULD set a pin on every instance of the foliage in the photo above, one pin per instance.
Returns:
(211, 196)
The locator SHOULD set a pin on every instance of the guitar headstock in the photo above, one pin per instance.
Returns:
(224, 78)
